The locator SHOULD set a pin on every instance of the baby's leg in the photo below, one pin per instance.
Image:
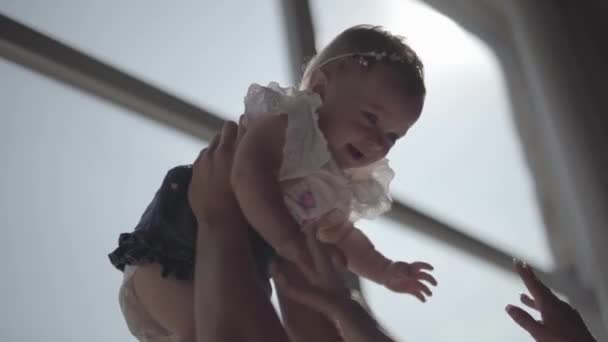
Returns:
(169, 301)
(233, 292)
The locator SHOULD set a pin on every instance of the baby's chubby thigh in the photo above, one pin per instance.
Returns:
(169, 301)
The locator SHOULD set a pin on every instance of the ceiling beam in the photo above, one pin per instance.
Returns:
(300, 34)
(36, 51)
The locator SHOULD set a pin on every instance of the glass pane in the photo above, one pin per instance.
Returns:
(463, 161)
(467, 305)
(207, 52)
(76, 172)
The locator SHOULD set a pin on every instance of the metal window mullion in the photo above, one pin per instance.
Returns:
(56, 60)
(300, 34)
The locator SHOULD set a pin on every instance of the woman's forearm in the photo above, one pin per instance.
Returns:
(355, 324)
(226, 295)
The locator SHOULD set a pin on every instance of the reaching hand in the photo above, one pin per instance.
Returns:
(559, 321)
(403, 277)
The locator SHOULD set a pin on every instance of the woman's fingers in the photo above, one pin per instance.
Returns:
(228, 136)
(541, 293)
(214, 142)
(241, 130)
(527, 322)
(321, 260)
(200, 156)
(528, 301)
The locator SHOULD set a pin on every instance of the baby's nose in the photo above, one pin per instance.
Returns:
(379, 144)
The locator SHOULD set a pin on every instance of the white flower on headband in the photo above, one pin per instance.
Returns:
(383, 55)
(362, 57)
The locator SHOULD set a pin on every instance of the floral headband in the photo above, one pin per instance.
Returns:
(363, 57)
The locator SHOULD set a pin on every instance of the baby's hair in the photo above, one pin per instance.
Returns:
(368, 45)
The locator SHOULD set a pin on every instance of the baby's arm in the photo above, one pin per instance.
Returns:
(256, 185)
(363, 259)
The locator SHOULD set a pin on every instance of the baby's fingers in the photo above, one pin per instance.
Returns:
(419, 266)
(241, 130)
(420, 296)
(423, 288)
(427, 277)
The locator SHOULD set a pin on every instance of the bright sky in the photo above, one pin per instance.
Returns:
(79, 171)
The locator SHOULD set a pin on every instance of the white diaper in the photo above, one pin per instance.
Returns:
(140, 323)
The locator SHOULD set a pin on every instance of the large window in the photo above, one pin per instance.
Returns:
(76, 172)
(206, 52)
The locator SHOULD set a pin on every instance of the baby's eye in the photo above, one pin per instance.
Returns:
(392, 137)
(371, 117)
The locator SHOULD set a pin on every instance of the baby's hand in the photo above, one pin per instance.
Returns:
(407, 278)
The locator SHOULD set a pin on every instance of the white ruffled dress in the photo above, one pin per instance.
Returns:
(313, 184)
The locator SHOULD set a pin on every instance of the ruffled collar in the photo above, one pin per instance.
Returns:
(368, 185)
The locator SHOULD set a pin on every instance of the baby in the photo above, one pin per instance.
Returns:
(315, 157)
(311, 158)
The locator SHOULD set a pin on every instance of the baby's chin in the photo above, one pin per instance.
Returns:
(349, 164)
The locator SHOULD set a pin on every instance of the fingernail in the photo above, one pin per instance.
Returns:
(509, 308)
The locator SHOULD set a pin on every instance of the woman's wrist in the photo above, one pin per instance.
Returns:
(355, 323)
(346, 308)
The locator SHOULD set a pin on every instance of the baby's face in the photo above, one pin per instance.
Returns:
(363, 116)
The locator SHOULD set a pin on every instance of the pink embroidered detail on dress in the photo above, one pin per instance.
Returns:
(307, 201)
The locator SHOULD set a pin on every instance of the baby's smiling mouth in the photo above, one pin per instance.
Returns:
(354, 152)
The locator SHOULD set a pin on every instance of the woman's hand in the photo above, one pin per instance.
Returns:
(209, 193)
(325, 290)
(326, 293)
(559, 321)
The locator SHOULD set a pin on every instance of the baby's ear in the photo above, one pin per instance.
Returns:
(318, 83)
